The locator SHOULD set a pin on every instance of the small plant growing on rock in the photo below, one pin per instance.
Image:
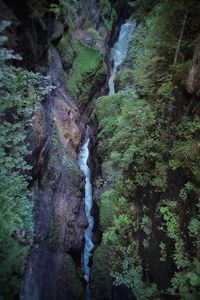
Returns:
(94, 35)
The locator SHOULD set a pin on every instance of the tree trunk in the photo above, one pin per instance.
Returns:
(180, 38)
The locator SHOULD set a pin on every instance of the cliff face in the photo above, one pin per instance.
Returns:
(145, 159)
(58, 47)
(193, 82)
(149, 185)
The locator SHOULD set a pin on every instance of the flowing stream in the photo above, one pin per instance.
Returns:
(82, 161)
(118, 53)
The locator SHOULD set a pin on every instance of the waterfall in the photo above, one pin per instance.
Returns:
(119, 51)
(82, 161)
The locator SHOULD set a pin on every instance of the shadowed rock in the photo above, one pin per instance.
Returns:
(193, 82)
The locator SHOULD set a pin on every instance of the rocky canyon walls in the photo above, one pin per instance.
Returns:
(147, 212)
(144, 149)
(68, 43)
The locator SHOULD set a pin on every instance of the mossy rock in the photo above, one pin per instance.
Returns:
(89, 70)
(73, 278)
(66, 51)
(58, 30)
(53, 234)
(108, 14)
(101, 282)
(181, 74)
(124, 79)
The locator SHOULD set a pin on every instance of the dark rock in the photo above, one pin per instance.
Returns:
(193, 82)
(57, 184)
(54, 63)
(50, 278)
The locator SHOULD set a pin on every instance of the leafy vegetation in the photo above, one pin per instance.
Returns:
(21, 93)
(94, 34)
(65, 11)
(73, 278)
(108, 14)
(53, 234)
(132, 278)
(101, 286)
(88, 68)
(149, 146)
(148, 143)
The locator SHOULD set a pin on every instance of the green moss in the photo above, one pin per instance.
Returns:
(124, 79)
(72, 166)
(88, 69)
(149, 147)
(65, 12)
(66, 51)
(106, 209)
(53, 234)
(74, 279)
(57, 31)
(108, 14)
(101, 282)
(163, 251)
(21, 93)
(55, 138)
(181, 74)
(146, 226)
(94, 35)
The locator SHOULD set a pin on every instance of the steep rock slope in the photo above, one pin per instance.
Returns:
(68, 42)
(148, 143)
(147, 187)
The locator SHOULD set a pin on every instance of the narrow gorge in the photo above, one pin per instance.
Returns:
(99, 150)
(82, 160)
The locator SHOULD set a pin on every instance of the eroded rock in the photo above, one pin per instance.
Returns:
(66, 121)
(193, 82)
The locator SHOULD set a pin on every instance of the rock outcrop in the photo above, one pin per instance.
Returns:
(59, 216)
(53, 266)
(193, 82)
(66, 119)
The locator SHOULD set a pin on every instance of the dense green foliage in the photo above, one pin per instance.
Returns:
(101, 286)
(65, 12)
(73, 278)
(148, 143)
(87, 69)
(108, 14)
(149, 146)
(81, 52)
(21, 93)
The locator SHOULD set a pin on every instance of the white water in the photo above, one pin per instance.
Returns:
(119, 51)
(82, 161)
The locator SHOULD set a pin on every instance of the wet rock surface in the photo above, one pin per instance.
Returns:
(66, 119)
(59, 217)
(54, 138)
